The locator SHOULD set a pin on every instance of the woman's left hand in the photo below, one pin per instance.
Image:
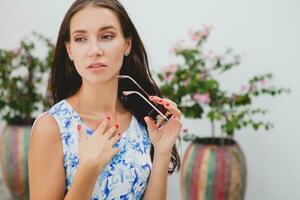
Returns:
(164, 138)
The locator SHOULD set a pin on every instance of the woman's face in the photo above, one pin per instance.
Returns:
(97, 44)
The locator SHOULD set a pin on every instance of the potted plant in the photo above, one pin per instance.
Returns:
(213, 167)
(22, 77)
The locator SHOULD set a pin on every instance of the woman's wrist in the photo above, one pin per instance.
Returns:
(90, 166)
(162, 156)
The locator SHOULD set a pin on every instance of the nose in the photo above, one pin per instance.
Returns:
(95, 49)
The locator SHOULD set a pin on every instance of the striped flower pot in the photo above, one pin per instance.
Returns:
(14, 154)
(213, 169)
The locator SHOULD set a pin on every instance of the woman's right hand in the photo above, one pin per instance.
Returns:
(97, 150)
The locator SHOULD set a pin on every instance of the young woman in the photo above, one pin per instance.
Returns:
(94, 144)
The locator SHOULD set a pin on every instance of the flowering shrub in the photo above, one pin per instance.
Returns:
(22, 73)
(192, 84)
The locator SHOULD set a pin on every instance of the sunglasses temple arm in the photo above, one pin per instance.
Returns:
(125, 76)
(131, 92)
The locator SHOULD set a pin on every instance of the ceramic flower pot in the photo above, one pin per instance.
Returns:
(213, 169)
(14, 145)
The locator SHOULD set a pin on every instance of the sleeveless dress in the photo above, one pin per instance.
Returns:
(126, 175)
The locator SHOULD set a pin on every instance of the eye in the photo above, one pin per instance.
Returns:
(79, 39)
(107, 37)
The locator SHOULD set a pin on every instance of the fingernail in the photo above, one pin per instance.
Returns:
(119, 134)
(117, 126)
(167, 104)
(78, 127)
(151, 97)
(108, 118)
(160, 101)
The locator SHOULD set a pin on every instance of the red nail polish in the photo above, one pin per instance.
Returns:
(117, 126)
(160, 101)
(167, 104)
(78, 127)
(119, 134)
(108, 118)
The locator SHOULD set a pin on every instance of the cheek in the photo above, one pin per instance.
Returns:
(116, 54)
(78, 56)
(78, 62)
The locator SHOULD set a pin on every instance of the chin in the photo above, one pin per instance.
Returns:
(98, 80)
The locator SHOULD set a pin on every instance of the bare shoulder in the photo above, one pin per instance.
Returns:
(45, 126)
(45, 134)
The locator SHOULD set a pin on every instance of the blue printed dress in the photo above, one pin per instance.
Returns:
(126, 175)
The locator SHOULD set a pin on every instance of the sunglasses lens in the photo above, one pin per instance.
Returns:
(162, 121)
(154, 114)
(159, 120)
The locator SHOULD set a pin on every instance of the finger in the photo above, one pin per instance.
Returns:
(155, 135)
(81, 132)
(173, 110)
(150, 124)
(109, 133)
(115, 139)
(158, 100)
(153, 98)
(102, 126)
(175, 122)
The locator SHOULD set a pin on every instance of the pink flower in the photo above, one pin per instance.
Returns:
(195, 35)
(172, 68)
(16, 52)
(202, 98)
(169, 77)
(253, 88)
(176, 46)
(244, 88)
(264, 82)
(205, 33)
(186, 82)
(202, 76)
(206, 30)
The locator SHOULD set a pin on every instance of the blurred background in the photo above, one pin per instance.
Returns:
(267, 32)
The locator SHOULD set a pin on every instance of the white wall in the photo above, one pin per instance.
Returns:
(268, 31)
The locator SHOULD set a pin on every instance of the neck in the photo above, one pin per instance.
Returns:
(99, 100)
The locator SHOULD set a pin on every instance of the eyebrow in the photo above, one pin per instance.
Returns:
(101, 29)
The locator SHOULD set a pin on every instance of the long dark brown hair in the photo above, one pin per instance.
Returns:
(64, 80)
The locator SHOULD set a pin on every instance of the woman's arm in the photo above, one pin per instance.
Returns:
(163, 141)
(46, 168)
(157, 185)
(45, 161)
(83, 183)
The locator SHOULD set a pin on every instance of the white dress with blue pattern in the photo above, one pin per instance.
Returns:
(126, 175)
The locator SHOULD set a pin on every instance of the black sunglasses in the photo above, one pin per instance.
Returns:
(158, 113)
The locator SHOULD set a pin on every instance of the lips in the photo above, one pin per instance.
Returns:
(96, 65)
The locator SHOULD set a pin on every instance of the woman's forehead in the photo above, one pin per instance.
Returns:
(94, 19)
